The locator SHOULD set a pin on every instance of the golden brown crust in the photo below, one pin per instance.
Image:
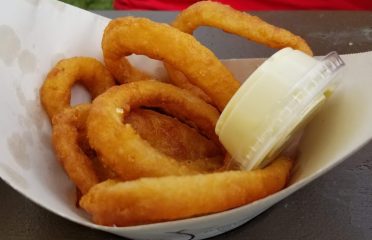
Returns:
(122, 148)
(55, 92)
(214, 14)
(175, 139)
(164, 133)
(161, 156)
(178, 78)
(78, 166)
(128, 35)
(152, 200)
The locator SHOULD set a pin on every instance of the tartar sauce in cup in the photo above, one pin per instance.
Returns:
(275, 102)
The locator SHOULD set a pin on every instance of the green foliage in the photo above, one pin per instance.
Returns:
(91, 4)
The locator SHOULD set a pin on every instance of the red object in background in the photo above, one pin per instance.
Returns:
(249, 4)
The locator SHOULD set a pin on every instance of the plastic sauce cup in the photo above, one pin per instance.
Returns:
(276, 101)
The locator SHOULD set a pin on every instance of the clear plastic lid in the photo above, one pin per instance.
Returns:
(303, 84)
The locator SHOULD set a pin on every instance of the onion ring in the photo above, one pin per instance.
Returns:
(176, 139)
(178, 78)
(166, 134)
(150, 200)
(55, 93)
(66, 137)
(128, 35)
(122, 149)
(125, 72)
(214, 14)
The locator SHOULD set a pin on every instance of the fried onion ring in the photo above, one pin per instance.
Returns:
(151, 200)
(67, 139)
(121, 147)
(214, 14)
(166, 134)
(178, 78)
(55, 93)
(128, 35)
(125, 72)
(176, 139)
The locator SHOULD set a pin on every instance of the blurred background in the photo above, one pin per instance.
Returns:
(91, 4)
(237, 4)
